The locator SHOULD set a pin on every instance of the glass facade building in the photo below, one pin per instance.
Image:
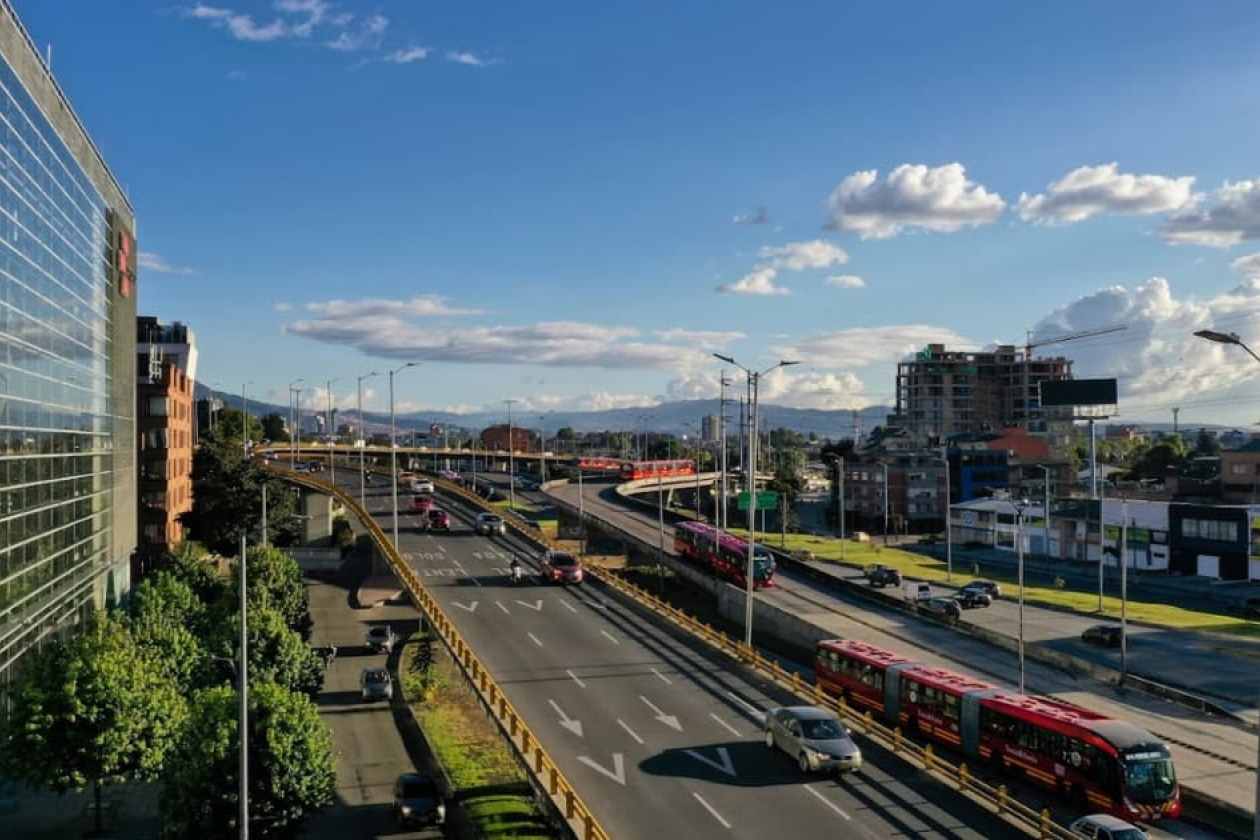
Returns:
(67, 351)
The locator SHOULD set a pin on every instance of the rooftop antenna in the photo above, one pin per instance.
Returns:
(1175, 430)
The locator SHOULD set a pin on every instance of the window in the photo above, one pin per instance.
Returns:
(158, 405)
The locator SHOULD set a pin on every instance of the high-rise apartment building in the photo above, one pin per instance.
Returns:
(67, 363)
(942, 392)
(167, 364)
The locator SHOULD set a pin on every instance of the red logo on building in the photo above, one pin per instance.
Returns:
(126, 273)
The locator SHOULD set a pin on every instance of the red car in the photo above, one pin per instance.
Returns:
(421, 502)
(439, 520)
(560, 567)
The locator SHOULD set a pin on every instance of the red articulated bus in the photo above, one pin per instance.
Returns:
(599, 462)
(635, 470)
(725, 555)
(1098, 763)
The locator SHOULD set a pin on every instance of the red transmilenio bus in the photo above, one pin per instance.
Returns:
(636, 470)
(1097, 762)
(724, 555)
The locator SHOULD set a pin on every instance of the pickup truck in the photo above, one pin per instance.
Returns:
(880, 575)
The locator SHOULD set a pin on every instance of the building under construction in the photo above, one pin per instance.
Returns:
(942, 393)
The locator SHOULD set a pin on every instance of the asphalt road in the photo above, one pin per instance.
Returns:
(662, 737)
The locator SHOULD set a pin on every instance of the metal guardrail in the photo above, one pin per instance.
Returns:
(564, 797)
(545, 774)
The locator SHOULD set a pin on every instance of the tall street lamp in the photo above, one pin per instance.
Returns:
(362, 440)
(750, 474)
(1232, 338)
(884, 465)
(1046, 514)
(1020, 507)
(243, 695)
(245, 421)
(511, 460)
(949, 534)
(332, 459)
(393, 447)
(295, 394)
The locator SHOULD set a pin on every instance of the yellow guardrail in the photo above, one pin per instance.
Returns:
(530, 750)
(996, 798)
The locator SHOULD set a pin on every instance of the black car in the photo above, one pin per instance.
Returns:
(948, 607)
(881, 575)
(418, 800)
(1106, 635)
(989, 587)
(972, 596)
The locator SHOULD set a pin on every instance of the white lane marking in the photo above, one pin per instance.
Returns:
(726, 766)
(474, 580)
(710, 809)
(570, 607)
(610, 637)
(729, 728)
(571, 724)
(499, 604)
(668, 720)
(576, 680)
(628, 729)
(536, 606)
(471, 606)
(664, 678)
(617, 774)
(824, 800)
(455, 560)
(741, 701)
(535, 638)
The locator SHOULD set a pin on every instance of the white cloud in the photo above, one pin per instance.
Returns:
(914, 196)
(798, 256)
(861, 346)
(407, 56)
(846, 281)
(469, 58)
(153, 262)
(366, 35)
(603, 401)
(283, 306)
(761, 217)
(706, 339)
(759, 281)
(1089, 190)
(1233, 218)
(1248, 265)
(370, 307)
(315, 10)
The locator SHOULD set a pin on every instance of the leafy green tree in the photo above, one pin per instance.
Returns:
(1206, 444)
(1158, 460)
(273, 427)
(190, 563)
(291, 766)
(275, 581)
(277, 653)
(97, 709)
(228, 425)
(167, 619)
(227, 497)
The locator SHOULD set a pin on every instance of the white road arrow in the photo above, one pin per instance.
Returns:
(536, 606)
(727, 766)
(668, 720)
(617, 774)
(471, 607)
(574, 726)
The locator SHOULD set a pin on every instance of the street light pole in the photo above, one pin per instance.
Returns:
(243, 696)
(1232, 338)
(511, 461)
(1124, 587)
(393, 447)
(750, 470)
(245, 421)
(332, 454)
(949, 532)
(1019, 547)
(362, 440)
(840, 478)
(884, 466)
(294, 417)
(1046, 513)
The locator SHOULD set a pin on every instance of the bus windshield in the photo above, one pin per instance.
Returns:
(763, 565)
(1150, 782)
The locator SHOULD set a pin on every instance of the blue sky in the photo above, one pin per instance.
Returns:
(574, 204)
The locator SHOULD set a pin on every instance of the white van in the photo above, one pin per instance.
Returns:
(918, 591)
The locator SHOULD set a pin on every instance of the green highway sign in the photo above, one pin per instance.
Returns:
(765, 499)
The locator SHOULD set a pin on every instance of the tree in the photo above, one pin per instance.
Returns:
(97, 709)
(291, 766)
(1206, 444)
(167, 619)
(275, 580)
(273, 427)
(277, 653)
(227, 497)
(1155, 463)
(189, 562)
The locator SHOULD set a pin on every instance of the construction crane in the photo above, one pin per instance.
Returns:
(1029, 344)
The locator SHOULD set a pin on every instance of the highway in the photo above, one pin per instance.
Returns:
(661, 736)
(1217, 756)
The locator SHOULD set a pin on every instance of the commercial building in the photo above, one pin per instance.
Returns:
(167, 365)
(941, 393)
(67, 364)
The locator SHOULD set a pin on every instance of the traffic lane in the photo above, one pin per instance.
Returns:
(370, 751)
(656, 718)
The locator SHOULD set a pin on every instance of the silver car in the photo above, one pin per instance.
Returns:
(816, 738)
(1106, 827)
(376, 684)
(490, 524)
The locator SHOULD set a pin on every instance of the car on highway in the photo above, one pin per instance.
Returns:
(380, 638)
(421, 502)
(423, 485)
(1106, 827)
(375, 683)
(815, 737)
(439, 520)
(948, 607)
(418, 801)
(490, 525)
(989, 587)
(971, 596)
(560, 567)
(450, 475)
(877, 574)
(1104, 635)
